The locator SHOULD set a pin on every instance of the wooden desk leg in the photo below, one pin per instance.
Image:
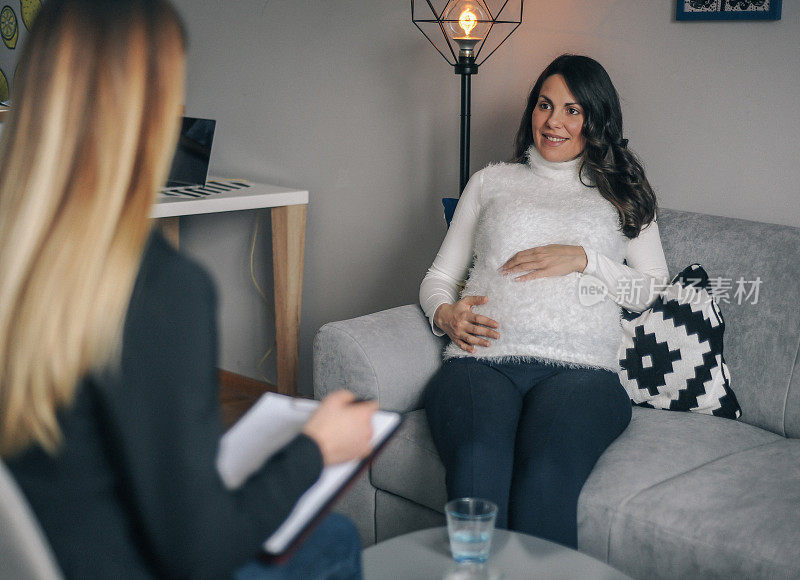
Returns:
(171, 228)
(288, 247)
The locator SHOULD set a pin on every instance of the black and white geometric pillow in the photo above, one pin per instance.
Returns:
(671, 354)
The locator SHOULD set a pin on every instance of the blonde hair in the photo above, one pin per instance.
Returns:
(94, 122)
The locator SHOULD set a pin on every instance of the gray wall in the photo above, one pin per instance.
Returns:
(346, 99)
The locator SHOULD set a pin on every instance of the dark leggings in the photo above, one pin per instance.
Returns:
(524, 435)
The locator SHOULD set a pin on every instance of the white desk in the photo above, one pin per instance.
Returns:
(288, 247)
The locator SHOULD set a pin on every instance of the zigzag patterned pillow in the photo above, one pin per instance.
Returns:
(671, 354)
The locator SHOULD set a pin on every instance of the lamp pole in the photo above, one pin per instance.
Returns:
(465, 24)
(465, 67)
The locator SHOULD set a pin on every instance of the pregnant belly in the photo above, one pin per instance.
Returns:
(540, 303)
(541, 316)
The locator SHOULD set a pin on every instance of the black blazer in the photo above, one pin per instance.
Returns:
(134, 491)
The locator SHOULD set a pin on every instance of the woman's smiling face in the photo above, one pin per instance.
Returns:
(557, 122)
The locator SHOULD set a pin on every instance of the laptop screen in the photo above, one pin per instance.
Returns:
(190, 164)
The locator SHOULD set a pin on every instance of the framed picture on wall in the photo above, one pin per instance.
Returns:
(728, 10)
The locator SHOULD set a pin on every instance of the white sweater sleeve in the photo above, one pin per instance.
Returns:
(636, 285)
(452, 263)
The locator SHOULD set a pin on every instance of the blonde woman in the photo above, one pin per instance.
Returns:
(108, 401)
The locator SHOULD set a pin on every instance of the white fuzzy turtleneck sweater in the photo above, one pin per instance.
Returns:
(506, 208)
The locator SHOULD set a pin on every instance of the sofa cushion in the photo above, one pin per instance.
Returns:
(671, 354)
(761, 338)
(401, 516)
(409, 465)
(735, 517)
(656, 447)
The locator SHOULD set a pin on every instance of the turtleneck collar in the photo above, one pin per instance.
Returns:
(561, 170)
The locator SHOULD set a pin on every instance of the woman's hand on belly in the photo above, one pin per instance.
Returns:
(465, 327)
(544, 261)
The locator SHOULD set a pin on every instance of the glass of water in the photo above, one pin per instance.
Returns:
(470, 523)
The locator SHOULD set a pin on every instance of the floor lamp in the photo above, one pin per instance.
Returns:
(465, 27)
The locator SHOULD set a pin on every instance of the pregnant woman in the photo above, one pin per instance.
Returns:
(528, 397)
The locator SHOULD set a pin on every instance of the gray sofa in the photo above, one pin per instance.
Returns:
(678, 495)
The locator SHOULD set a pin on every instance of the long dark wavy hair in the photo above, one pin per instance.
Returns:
(607, 161)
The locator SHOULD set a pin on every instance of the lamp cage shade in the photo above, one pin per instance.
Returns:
(475, 27)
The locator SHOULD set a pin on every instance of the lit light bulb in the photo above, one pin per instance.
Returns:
(467, 22)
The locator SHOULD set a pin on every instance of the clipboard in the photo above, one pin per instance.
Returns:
(266, 428)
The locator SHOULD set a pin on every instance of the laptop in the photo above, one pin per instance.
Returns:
(188, 176)
(193, 154)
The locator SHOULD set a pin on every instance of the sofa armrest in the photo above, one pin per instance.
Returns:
(388, 356)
